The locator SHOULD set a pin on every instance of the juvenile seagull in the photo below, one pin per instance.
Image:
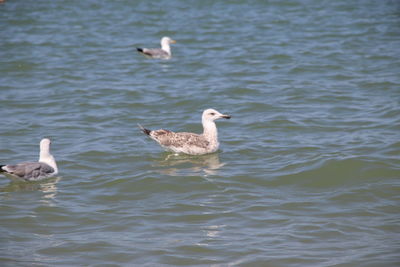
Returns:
(34, 171)
(161, 53)
(191, 143)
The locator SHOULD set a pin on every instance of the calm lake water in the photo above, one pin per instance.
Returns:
(308, 169)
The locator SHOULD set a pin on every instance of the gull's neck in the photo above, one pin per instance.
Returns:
(46, 157)
(165, 46)
(210, 132)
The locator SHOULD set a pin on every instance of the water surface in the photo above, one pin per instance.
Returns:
(308, 169)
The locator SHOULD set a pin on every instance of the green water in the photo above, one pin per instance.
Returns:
(308, 169)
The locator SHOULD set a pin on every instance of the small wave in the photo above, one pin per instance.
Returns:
(339, 173)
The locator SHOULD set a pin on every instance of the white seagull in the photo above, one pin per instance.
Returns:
(34, 171)
(161, 53)
(191, 143)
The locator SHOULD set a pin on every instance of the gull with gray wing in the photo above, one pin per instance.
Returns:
(33, 171)
(160, 53)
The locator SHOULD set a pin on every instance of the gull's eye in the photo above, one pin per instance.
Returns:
(212, 113)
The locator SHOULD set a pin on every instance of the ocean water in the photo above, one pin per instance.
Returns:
(308, 169)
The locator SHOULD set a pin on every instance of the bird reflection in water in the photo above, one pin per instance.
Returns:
(48, 187)
(184, 165)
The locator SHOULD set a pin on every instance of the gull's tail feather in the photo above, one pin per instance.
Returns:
(1, 168)
(144, 130)
(139, 49)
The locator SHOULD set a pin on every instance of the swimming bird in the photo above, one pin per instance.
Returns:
(34, 171)
(190, 143)
(161, 53)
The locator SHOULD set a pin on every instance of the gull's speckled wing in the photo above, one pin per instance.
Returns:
(179, 140)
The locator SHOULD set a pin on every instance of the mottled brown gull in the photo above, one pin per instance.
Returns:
(161, 53)
(191, 143)
(32, 171)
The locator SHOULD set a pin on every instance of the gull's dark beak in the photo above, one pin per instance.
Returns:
(226, 117)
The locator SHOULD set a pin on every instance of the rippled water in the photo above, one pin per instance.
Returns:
(308, 169)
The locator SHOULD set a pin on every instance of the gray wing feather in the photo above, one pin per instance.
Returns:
(156, 52)
(30, 170)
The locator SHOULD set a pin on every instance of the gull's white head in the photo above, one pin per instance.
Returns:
(45, 155)
(45, 145)
(212, 115)
(166, 41)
